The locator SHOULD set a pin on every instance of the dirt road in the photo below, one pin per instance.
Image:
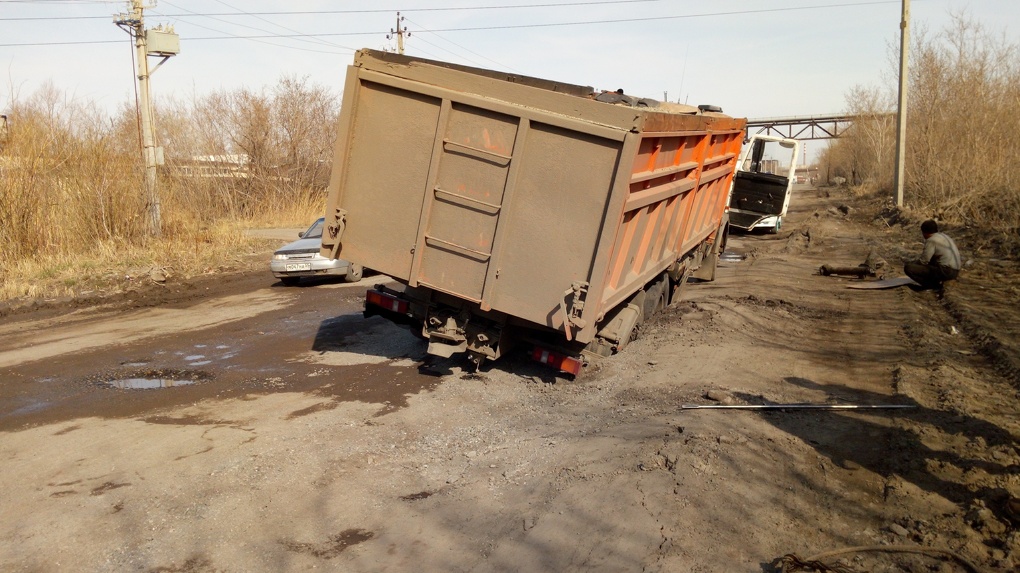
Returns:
(288, 433)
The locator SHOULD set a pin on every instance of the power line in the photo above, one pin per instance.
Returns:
(302, 39)
(445, 50)
(503, 27)
(317, 12)
(59, 2)
(423, 29)
(278, 25)
(658, 18)
(428, 53)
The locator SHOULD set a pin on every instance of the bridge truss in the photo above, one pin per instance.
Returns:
(802, 127)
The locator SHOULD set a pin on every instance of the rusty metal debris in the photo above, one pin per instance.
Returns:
(790, 562)
(859, 271)
(873, 266)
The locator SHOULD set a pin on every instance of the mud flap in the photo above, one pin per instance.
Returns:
(618, 331)
(446, 348)
(335, 230)
(677, 285)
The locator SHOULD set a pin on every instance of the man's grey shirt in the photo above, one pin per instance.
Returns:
(939, 249)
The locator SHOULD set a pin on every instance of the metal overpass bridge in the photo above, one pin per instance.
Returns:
(802, 127)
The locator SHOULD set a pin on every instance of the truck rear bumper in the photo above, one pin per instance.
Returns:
(391, 305)
(451, 330)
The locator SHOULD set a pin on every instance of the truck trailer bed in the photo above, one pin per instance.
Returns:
(528, 200)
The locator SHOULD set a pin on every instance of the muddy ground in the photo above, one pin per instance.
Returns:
(292, 434)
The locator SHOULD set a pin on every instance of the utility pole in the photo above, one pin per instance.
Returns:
(399, 33)
(901, 108)
(164, 43)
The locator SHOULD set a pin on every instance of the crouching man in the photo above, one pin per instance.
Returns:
(939, 262)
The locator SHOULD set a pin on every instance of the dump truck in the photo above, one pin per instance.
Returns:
(516, 211)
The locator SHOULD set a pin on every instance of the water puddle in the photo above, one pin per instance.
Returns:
(156, 379)
(731, 257)
(147, 383)
(32, 406)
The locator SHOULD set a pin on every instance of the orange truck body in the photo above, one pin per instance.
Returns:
(508, 202)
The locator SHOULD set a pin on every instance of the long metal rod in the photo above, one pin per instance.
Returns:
(794, 406)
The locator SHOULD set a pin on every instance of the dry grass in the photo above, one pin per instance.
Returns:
(962, 162)
(293, 210)
(116, 265)
(73, 214)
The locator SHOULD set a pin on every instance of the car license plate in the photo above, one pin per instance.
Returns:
(299, 267)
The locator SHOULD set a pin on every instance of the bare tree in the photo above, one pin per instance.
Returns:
(65, 183)
(962, 163)
(70, 174)
(255, 150)
(307, 117)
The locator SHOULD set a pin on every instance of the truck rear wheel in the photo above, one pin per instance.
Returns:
(354, 273)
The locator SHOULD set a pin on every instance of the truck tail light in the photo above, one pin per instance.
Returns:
(562, 362)
(386, 301)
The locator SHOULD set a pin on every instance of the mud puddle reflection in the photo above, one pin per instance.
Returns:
(731, 257)
(147, 383)
(156, 379)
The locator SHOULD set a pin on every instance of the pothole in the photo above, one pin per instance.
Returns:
(417, 496)
(147, 383)
(156, 379)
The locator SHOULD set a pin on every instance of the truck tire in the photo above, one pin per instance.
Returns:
(354, 273)
(656, 296)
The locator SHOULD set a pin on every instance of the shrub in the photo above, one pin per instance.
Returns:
(963, 101)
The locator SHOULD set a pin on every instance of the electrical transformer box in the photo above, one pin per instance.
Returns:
(162, 42)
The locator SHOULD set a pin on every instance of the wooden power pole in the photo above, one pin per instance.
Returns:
(901, 108)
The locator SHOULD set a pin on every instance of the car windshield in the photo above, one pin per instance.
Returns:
(315, 231)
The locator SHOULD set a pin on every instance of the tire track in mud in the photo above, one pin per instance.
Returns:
(40, 340)
(1003, 356)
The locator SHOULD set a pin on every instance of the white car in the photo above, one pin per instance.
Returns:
(302, 259)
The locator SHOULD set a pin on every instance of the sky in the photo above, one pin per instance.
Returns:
(754, 58)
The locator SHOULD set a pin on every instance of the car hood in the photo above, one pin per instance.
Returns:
(303, 245)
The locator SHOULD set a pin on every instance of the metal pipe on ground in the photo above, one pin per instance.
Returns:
(858, 271)
(795, 406)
